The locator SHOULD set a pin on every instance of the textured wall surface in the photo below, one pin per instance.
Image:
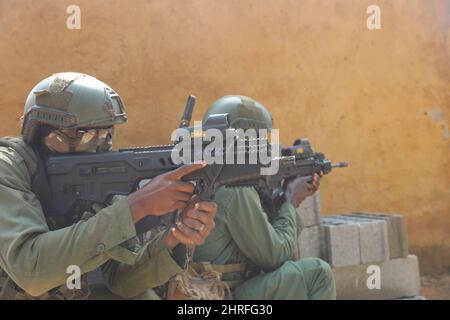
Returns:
(377, 99)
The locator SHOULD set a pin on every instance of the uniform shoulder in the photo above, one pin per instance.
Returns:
(13, 166)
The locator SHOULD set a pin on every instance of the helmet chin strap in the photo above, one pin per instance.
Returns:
(72, 147)
(106, 145)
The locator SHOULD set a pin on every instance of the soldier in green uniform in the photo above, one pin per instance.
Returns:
(252, 245)
(73, 112)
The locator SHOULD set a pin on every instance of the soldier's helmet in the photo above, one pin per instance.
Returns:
(243, 112)
(71, 100)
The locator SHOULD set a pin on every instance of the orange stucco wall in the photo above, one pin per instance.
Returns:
(377, 99)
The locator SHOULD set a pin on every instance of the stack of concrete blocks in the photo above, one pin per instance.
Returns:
(353, 244)
(310, 244)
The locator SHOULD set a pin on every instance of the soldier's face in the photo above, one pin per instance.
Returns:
(80, 140)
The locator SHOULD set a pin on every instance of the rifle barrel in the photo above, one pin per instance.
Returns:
(339, 165)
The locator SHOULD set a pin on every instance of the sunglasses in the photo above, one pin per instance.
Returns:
(85, 135)
(80, 140)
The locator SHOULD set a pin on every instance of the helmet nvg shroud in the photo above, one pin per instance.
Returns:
(71, 100)
(243, 112)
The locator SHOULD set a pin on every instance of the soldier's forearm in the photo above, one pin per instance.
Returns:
(37, 259)
(154, 267)
(267, 245)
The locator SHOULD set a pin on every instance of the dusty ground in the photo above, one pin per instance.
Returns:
(436, 287)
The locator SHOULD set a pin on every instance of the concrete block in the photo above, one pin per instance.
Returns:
(341, 243)
(373, 238)
(396, 231)
(309, 210)
(310, 242)
(373, 241)
(399, 278)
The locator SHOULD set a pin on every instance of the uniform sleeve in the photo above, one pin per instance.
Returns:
(299, 223)
(36, 258)
(267, 244)
(154, 266)
(298, 219)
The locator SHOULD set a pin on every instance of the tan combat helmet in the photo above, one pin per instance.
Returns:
(71, 100)
(243, 112)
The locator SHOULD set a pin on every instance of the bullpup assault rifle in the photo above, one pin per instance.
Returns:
(77, 181)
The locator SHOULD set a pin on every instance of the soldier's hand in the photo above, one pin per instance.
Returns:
(196, 223)
(165, 193)
(299, 189)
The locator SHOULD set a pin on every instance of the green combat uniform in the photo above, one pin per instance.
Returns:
(244, 233)
(34, 258)
(242, 228)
